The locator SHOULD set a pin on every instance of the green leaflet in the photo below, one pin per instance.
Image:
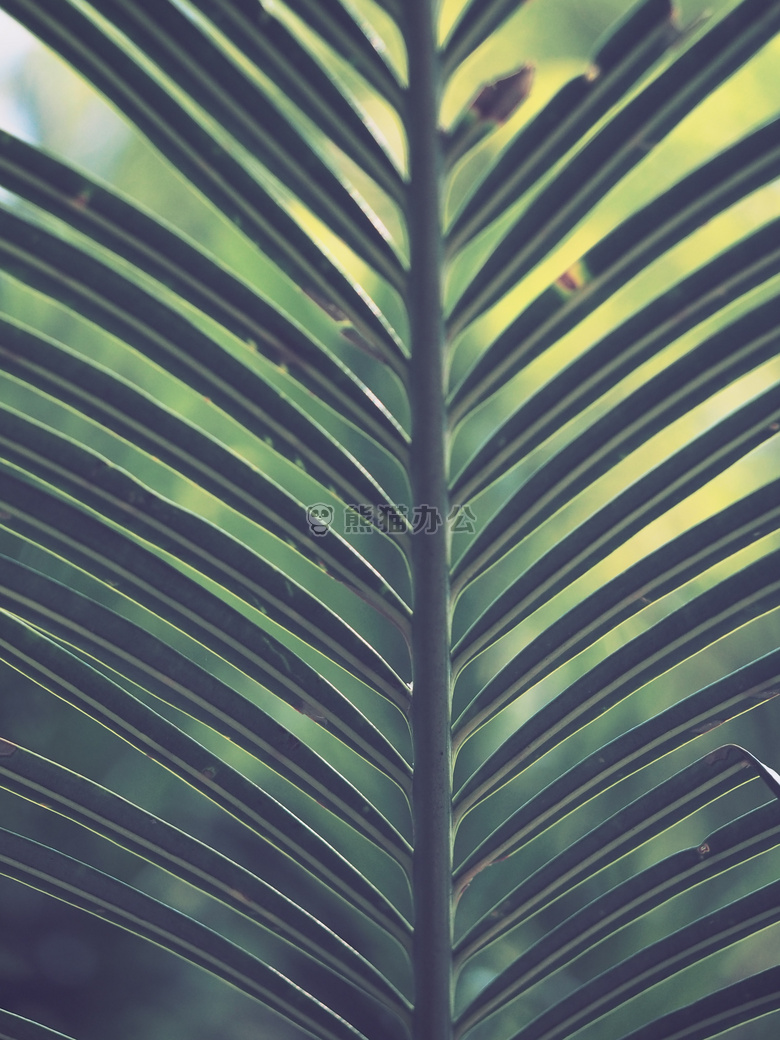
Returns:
(619, 147)
(269, 45)
(186, 758)
(82, 885)
(169, 340)
(475, 25)
(158, 666)
(192, 861)
(221, 178)
(133, 234)
(622, 428)
(754, 912)
(142, 421)
(331, 21)
(743, 1001)
(630, 752)
(635, 243)
(200, 544)
(568, 117)
(607, 913)
(640, 821)
(235, 104)
(748, 593)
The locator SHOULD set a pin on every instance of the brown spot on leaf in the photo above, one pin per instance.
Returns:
(573, 279)
(6, 748)
(496, 102)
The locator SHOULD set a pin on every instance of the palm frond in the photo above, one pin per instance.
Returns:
(388, 455)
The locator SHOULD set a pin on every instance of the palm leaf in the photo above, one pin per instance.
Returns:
(396, 471)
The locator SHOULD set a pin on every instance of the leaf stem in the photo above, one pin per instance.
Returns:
(431, 699)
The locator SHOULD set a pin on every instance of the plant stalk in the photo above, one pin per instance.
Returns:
(431, 696)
